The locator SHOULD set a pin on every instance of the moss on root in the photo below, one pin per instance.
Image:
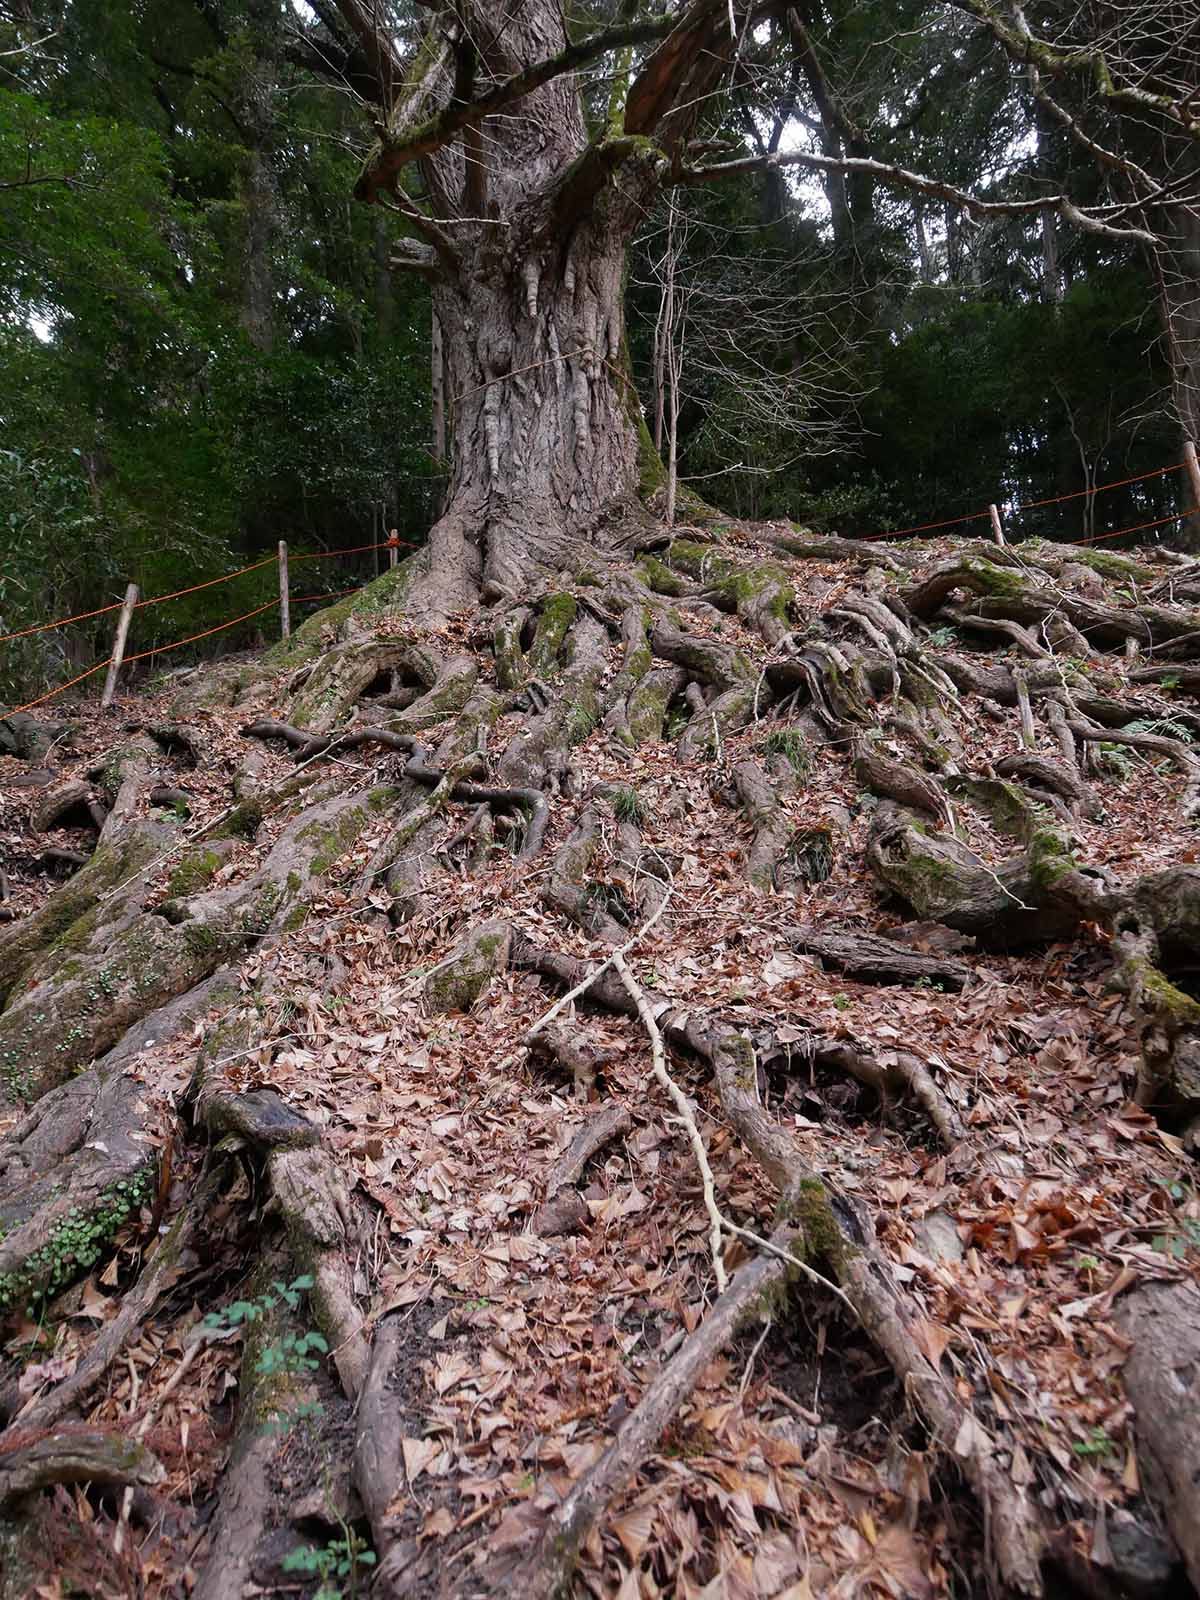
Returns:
(554, 621)
(375, 599)
(196, 870)
(75, 1243)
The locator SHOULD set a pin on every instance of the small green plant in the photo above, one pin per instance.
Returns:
(1184, 1232)
(1113, 759)
(1163, 725)
(1097, 1443)
(291, 1354)
(1089, 1266)
(340, 1559)
(239, 1311)
(942, 637)
(628, 806)
(812, 851)
(792, 745)
(843, 1002)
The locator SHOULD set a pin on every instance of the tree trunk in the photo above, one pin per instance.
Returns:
(542, 417)
(1179, 282)
(544, 434)
(261, 205)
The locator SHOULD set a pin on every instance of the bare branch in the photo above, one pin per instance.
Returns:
(901, 178)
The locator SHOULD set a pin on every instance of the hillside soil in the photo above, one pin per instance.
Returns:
(686, 1083)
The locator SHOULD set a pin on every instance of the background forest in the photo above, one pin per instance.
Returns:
(204, 348)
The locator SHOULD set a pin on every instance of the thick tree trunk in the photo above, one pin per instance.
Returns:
(1179, 280)
(543, 414)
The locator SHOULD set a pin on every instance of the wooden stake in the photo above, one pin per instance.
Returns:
(285, 608)
(393, 549)
(118, 653)
(1193, 469)
(1028, 728)
(997, 530)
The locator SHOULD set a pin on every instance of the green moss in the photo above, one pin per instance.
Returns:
(375, 599)
(808, 1206)
(554, 623)
(656, 575)
(1003, 803)
(196, 869)
(1050, 859)
(75, 1243)
(459, 984)
(1177, 1009)
(652, 475)
(331, 841)
(243, 822)
(647, 712)
(511, 666)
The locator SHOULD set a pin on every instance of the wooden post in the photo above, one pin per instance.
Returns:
(997, 530)
(1193, 469)
(393, 547)
(118, 653)
(285, 609)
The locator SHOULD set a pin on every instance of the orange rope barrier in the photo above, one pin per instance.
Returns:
(1117, 483)
(1033, 505)
(924, 527)
(1177, 516)
(50, 693)
(338, 594)
(324, 555)
(161, 650)
(226, 577)
(41, 627)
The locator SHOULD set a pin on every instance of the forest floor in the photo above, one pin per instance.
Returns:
(795, 1463)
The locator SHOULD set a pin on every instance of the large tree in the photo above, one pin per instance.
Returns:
(653, 761)
(541, 148)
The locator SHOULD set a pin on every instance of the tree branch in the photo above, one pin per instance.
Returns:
(1090, 65)
(901, 178)
(399, 146)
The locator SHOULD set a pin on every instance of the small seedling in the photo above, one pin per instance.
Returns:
(339, 1559)
(792, 745)
(628, 807)
(1097, 1443)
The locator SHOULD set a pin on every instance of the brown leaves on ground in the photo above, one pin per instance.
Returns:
(795, 1469)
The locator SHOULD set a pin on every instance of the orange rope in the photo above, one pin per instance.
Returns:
(338, 594)
(226, 577)
(1118, 483)
(1177, 516)
(161, 650)
(50, 693)
(161, 599)
(324, 555)
(61, 623)
(1032, 505)
(924, 527)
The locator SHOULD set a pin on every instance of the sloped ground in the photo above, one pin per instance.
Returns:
(982, 1126)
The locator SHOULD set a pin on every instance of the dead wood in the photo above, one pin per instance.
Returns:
(29, 1462)
(872, 959)
(1162, 1322)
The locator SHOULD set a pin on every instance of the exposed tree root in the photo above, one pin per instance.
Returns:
(164, 931)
